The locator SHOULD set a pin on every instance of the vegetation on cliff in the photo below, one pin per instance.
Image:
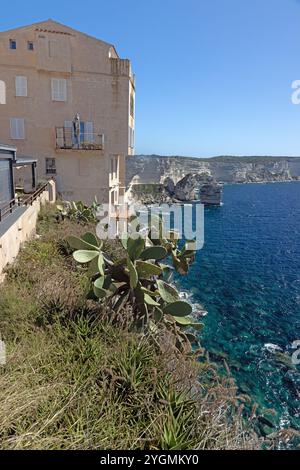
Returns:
(80, 375)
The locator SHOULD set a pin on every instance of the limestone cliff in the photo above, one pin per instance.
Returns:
(152, 169)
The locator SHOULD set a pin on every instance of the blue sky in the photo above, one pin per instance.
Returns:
(213, 76)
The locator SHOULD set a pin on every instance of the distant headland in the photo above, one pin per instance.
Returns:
(151, 169)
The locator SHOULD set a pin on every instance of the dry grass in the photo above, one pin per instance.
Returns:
(76, 378)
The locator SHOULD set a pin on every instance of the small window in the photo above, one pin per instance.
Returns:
(59, 89)
(30, 46)
(17, 128)
(12, 44)
(131, 137)
(21, 86)
(132, 106)
(2, 92)
(114, 167)
(50, 166)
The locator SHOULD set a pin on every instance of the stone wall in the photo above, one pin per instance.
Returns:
(20, 226)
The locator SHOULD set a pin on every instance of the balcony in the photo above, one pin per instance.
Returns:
(66, 140)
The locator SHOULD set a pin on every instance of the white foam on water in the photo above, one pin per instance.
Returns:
(272, 347)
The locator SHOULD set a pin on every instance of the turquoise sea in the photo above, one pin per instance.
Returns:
(247, 277)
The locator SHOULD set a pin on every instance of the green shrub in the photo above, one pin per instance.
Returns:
(139, 280)
(78, 211)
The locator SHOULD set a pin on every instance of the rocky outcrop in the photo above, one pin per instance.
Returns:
(188, 189)
(193, 187)
(148, 194)
(149, 169)
(169, 185)
(211, 194)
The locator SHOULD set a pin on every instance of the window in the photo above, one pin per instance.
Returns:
(2, 92)
(59, 89)
(114, 197)
(114, 167)
(131, 138)
(50, 166)
(86, 131)
(12, 44)
(21, 86)
(17, 128)
(30, 46)
(131, 105)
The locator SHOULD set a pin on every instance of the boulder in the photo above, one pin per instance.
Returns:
(169, 185)
(194, 186)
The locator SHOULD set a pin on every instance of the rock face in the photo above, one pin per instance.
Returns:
(156, 169)
(189, 188)
(169, 185)
(149, 194)
(211, 194)
(200, 187)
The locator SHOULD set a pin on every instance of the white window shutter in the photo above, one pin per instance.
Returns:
(21, 86)
(59, 89)
(69, 133)
(13, 130)
(17, 128)
(21, 129)
(63, 89)
(2, 92)
(89, 131)
(54, 90)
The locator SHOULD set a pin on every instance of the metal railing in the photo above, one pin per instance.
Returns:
(12, 205)
(8, 208)
(30, 200)
(65, 139)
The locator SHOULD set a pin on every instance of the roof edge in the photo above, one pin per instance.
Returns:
(38, 23)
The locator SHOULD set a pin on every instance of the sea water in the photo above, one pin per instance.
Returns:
(247, 277)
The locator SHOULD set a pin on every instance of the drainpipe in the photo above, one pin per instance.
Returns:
(33, 170)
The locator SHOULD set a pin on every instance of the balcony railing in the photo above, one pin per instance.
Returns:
(65, 139)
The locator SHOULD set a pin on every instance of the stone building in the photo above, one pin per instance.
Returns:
(49, 74)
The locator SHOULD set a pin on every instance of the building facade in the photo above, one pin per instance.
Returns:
(68, 100)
